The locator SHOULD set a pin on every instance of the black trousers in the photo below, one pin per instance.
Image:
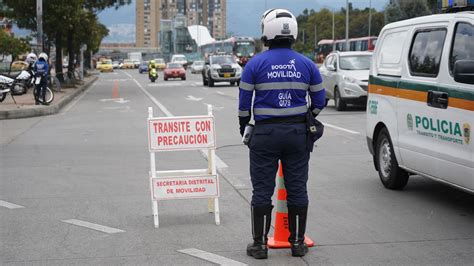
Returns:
(273, 142)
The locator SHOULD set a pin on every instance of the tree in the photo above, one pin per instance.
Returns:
(406, 9)
(62, 21)
(12, 46)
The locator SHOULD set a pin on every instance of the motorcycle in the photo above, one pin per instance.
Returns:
(20, 83)
(12, 86)
(153, 75)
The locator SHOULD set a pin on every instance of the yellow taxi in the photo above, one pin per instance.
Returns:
(127, 63)
(106, 66)
(19, 66)
(160, 63)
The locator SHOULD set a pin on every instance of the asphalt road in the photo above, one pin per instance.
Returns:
(89, 164)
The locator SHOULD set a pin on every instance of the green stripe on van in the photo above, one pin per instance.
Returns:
(453, 91)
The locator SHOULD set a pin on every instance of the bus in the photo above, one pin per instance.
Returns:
(355, 44)
(243, 48)
(448, 6)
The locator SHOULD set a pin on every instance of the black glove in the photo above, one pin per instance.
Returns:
(243, 121)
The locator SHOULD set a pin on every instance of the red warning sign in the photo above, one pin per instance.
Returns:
(185, 187)
(181, 133)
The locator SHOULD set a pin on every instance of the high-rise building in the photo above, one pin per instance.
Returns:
(149, 13)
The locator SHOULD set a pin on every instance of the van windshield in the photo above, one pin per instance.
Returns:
(359, 62)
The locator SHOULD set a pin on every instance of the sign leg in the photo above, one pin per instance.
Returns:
(216, 211)
(156, 221)
(210, 205)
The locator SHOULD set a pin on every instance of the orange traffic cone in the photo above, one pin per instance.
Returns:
(280, 240)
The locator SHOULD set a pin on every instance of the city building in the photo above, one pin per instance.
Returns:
(150, 13)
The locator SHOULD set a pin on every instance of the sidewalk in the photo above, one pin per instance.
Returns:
(25, 104)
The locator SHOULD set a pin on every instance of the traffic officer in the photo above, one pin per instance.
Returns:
(279, 79)
(41, 69)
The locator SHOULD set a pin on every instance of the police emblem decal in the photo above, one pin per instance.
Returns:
(286, 29)
(410, 122)
(467, 132)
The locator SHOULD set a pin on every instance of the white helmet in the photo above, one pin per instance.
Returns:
(44, 56)
(31, 58)
(278, 24)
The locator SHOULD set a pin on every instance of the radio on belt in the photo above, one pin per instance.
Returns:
(247, 134)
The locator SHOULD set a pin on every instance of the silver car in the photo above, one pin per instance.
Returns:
(197, 66)
(345, 77)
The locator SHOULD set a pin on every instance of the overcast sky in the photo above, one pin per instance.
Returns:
(243, 16)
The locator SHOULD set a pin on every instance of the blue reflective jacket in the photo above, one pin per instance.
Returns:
(281, 79)
(41, 67)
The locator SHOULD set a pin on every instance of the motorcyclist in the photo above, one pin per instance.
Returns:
(41, 68)
(152, 70)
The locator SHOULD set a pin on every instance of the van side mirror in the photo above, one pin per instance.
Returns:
(464, 71)
(331, 68)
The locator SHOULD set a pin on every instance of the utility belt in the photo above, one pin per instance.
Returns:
(300, 119)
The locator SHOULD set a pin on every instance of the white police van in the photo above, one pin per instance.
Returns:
(420, 110)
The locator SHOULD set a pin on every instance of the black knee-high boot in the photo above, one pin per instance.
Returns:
(261, 221)
(297, 226)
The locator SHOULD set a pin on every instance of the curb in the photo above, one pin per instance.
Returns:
(46, 110)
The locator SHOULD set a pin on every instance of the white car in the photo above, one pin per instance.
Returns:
(420, 111)
(180, 59)
(345, 77)
(197, 66)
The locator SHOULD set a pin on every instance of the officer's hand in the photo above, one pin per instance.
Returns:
(242, 130)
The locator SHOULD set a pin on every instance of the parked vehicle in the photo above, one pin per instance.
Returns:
(174, 70)
(9, 85)
(420, 112)
(221, 68)
(115, 64)
(197, 66)
(143, 68)
(345, 77)
(18, 66)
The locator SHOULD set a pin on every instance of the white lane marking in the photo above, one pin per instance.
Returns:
(115, 100)
(219, 162)
(153, 99)
(79, 98)
(192, 98)
(217, 108)
(98, 227)
(197, 83)
(210, 257)
(165, 84)
(220, 92)
(342, 129)
(10, 205)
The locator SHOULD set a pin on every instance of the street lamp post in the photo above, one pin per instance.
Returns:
(39, 24)
(370, 16)
(347, 25)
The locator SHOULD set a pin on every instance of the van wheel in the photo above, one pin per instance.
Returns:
(391, 175)
(338, 101)
(204, 81)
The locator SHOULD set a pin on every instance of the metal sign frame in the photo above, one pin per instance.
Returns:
(211, 170)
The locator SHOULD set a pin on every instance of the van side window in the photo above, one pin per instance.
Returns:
(463, 44)
(425, 52)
